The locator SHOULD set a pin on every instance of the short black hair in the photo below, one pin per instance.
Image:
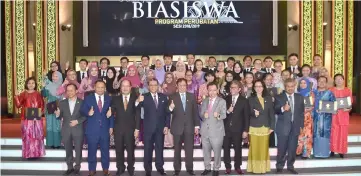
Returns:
(267, 74)
(153, 79)
(145, 56)
(27, 82)
(212, 84)
(180, 80)
(285, 71)
(104, 58)
(209, 74)
(124, 58)
(99, 81)
(305, 65)
(317, 55)
(71, 84)
(323, 77)
(264, 92)
(256, 60)
(167, 55)
(277, 61)
(84, 60)
(339, 74)
(191, 54)
(247, 56)
(268, 57)
(292, 54)
(231, 59)
(212, 57)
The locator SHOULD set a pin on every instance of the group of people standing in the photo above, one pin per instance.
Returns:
(161, 105)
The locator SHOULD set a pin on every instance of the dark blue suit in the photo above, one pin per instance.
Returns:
(97, 130)
(155, 119)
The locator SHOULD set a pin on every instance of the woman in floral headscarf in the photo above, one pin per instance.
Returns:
(180, 70)
(87, 84)
(53, 136)
(70, 79)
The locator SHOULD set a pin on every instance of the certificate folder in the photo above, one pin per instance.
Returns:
(344, 103)
(328, 106)
(33, 113)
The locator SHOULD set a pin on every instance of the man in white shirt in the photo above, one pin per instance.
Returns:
(190, 60)
(82, 73)
(104, 64)
(268, 62)
(294, 68)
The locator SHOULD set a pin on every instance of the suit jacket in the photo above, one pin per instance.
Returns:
(126, 121)
(266, 115)
(265, 70)
(299, 69)
(213, 126)
(100, 74)
(194, 69)
(284, 120)
(66, 115)
(172, 68)
(98, 124)
(78, 77)
(238, 120)
(184, 120)
(245, 71)
(207, 69)
(155, 118)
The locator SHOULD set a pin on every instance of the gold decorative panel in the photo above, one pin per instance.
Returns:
(51, 31)
(306, 31)
(319, 27)
(9, 57)
(39, 43)
(339, 37)
(350, 41)
(20, 50)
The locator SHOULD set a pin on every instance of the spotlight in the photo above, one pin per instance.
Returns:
(324, 25)
(292, 27)
(34, 24)
(66, 27)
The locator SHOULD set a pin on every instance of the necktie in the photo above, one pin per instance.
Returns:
(291, 104)
(210, 106)
(233, 101)
(192, 68)
(100, 105)
(104, 75)
(184, 101)
(167, 68)
(83, 75)
(268, 70)
(155, 100)
(125, 102)
(293, 69)
(123, 72)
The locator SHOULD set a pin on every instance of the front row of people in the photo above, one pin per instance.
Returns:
(223, 122)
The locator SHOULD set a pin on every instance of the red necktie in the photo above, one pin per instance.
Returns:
(100, 105)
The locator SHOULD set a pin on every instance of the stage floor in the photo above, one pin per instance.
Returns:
(10, 128)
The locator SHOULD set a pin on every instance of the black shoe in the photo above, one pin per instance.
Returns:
(120, 172)
(293, 171)
(68, 172)
(162, 172)
(148, 174)
(279, 171)
(190, 172)
(176, 173)
(341, 155)
(77, 171)
(332, 154)
(215, 173)
(206, 172)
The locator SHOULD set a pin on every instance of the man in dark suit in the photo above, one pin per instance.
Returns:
(236, 126)
(127, 125)
(268, 62)
(156, 124)
(294, 68)
(72, 128)
(104, 64)
(82, 73)
(168, 67)
(185, 123)
(290, 109)
(247, 64)
(99, 127)
(212, 65)
(190, 61)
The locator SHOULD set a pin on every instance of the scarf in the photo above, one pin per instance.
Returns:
(306, 91)
(135, 80)
(52, 87)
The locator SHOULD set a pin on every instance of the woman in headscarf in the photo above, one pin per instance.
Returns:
(159, 71)
(133, 77)
(55, 66)
(32, 131)
(87, 84)
(305, 138)
(191, 86)
(169, 85)
(237, 71)
(324, 72)
(150, 74)
(111, 73)
(53, 136)
(180, 70)
(70, 79)
(277, 79)
(203, 91)
(306, 73)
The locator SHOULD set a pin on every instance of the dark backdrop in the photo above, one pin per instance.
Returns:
(142, 36)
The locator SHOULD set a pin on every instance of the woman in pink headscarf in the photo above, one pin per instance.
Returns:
(180, 71)
(133, 76)
(87, 84)
(70, 79)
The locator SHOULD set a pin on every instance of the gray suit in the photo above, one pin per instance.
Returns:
(70, 134)
(212, 131)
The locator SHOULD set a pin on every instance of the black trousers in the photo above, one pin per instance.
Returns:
(77, 140)
(188, 140)
(286, 144)
(153, 141)
(124, 141)
(236, 140)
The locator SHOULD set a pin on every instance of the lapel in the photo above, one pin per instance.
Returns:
(68, 107)
(122, 103)
(152, 100)
(76, 107)
(259, 104)
(215, 104)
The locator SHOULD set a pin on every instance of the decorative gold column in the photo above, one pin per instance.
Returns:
(51, 31)
(319, 27)
(350, 42)
(306, 32)
(9, 56)
(39, 53)
(20, 44)
(338, 36)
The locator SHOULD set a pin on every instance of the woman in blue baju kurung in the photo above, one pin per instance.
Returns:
(322, 121)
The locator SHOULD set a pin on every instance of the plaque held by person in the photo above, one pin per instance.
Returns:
(33, 113)
(328, 107)
(344, 103)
